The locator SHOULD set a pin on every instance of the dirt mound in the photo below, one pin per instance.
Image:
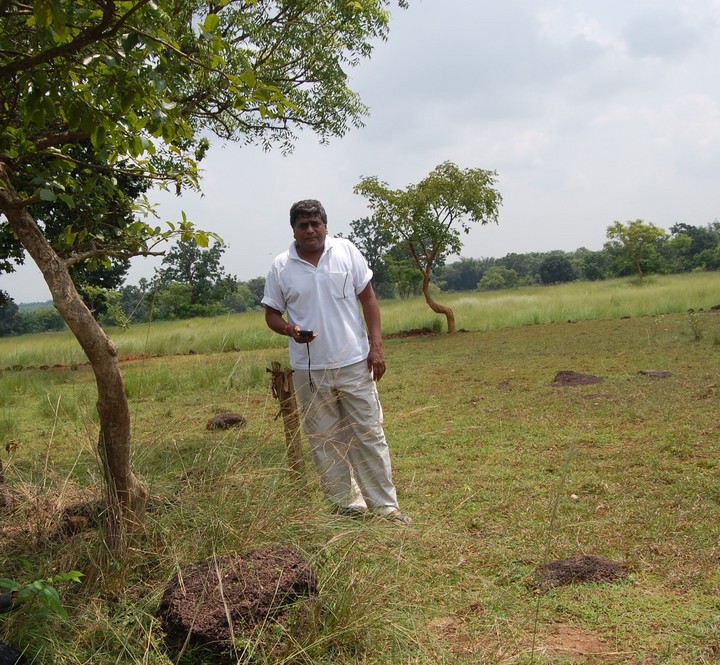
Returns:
(226, 420)
(569, 378)
(582, 568)
(220, 601)
(414, 332)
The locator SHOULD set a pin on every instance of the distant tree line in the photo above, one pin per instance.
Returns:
(634, 248)
(191, 280)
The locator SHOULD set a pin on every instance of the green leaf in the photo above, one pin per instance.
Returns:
(38, 117)
(211, 23)
(49, 594)
(97, 136)
(9, 584)
(47, 194)
(41, 13)
(68, 200)
(59, 22)
(248, 77)
(69, 235)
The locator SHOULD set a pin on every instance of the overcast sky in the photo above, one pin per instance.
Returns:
(590, 111)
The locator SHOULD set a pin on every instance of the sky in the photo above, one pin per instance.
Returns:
(590, 112)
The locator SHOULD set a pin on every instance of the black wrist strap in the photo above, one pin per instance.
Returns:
(310, 379)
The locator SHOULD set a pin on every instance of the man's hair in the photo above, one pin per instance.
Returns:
(307, 208)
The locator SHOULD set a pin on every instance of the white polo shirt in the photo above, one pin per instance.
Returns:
(323, 299)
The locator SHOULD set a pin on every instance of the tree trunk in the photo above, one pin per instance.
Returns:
(437, 307)
(639, 269)
(126, 495)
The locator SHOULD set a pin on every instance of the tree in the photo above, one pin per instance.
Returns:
(257, 287)
(526, 266)
(428, 218)
(200, 271)
(590, 265)
(374, 242)
(240, 299)
(143, 83)
(675, 250)
(42, 319)
(556, 268)
(499, 277)
(637, 243)
(9, 321)
(709, 259)
(693, 243)
(174, 301)
(464, 275)
(136, 302)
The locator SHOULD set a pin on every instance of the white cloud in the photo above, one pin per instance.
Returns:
(666, 33)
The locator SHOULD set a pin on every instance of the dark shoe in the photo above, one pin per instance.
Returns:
(396, 517)
(8, 601)
(9, 656)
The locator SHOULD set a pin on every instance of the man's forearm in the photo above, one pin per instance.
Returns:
(276, 322)
(371, 314)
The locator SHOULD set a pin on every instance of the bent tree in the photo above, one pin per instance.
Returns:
(428, 218)
(96, 91)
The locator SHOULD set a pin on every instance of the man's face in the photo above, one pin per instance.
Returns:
(310, 233)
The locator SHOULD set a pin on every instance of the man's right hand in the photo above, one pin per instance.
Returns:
(293, 331)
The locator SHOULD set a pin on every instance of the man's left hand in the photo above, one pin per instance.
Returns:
(376, 364)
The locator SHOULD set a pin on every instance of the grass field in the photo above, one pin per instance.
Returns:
(501, 469)
(474, 311)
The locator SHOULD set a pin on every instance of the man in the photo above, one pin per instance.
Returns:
(319, 281)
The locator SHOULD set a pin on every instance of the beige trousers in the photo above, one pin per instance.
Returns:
(342, 419)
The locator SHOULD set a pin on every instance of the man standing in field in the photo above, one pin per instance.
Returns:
(319, 282)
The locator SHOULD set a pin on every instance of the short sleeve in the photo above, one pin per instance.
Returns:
(360, 270)
(273, 296)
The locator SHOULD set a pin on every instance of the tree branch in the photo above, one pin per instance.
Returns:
(103, 30)
(61, 138)
(117, 254)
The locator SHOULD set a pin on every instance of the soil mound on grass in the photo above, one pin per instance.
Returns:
(582, 568)
(221, 600)
(226, 420)
(414, 332)
(569, 378)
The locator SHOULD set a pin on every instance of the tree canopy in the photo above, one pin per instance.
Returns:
(139, 83)
(556, 268)
(636, 243)
(429, 218)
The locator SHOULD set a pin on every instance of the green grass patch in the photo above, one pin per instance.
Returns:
(485, 449)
